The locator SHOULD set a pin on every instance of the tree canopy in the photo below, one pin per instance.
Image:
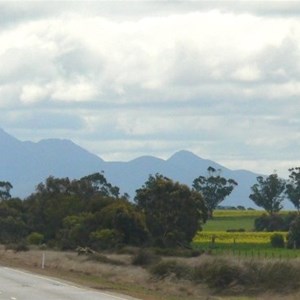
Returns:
(293, 187)
(268, 193)
(214, 188)
(174, 212)
(5, 188)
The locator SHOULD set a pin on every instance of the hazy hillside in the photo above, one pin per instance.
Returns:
(184, 167)
(25, 164)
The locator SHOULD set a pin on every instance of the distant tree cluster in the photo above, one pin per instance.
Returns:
(91, 212)
(269, 192)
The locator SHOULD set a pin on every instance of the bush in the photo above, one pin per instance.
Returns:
(219, 273)
(104, 259)
(277, 240)
(105, 239)
(144, 258)
(171, 268)
(294, 234)
(273, 222)
(178, 252)
(18, 247)
(277, 276)
(35, 238)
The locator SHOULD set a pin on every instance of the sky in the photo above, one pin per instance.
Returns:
(130, 78)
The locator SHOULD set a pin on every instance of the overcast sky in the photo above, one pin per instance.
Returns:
(129, 78)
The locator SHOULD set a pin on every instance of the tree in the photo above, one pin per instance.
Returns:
(174, 212)
(268, 193)
(123, 217)
(5, 188)
(97, 184)
(293, 238)
(214, 188)
(293, 187)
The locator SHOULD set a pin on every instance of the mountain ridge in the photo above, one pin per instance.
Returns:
(26, 164)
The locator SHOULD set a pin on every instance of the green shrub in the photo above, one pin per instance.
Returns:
(35, 238)
(294, 234)
(105, 239)
(277, 240)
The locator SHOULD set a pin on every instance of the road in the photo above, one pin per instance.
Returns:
(21, 285)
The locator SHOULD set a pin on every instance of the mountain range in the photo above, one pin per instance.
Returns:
(25, 164)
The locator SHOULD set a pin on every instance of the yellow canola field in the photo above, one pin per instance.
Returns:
(242, 213)
(235, 237)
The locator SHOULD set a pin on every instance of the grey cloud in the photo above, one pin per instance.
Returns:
(280, 64)
(41, 120)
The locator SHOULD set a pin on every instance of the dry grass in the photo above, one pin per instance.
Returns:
(122, 277)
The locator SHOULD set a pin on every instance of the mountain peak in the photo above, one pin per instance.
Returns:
(6, 138)
(183, 155)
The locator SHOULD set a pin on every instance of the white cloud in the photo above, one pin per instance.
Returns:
(221, 81)
(32, 93)
(77, 90)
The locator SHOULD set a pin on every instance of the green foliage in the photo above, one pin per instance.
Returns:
(174, 212)
(268, 193)
(294, 234)
(5, 188)
(277, 240)
(124, 217)
(214, 188)
(35, 238)
(76, 230)
(12, 229)
(105, 239)
(274, 222)
(293, 187)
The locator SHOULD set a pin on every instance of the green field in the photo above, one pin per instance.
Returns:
(232, 219)
(225, 223)
(242, 244)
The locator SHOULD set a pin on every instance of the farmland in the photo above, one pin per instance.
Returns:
(231, 232)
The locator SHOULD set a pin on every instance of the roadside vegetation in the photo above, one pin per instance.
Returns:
(171, 242)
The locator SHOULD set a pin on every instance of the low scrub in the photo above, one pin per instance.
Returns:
(17, 247)
(178, 252)
(277, 240)
(104, 259)
(229, 276)
(144, 258)
(171, 268)
(219, 273)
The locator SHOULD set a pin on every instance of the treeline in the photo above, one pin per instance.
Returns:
(91, 212)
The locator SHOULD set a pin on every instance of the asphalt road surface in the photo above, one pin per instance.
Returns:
(20, 285)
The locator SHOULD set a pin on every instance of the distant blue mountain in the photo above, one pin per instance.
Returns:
(25, 164)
